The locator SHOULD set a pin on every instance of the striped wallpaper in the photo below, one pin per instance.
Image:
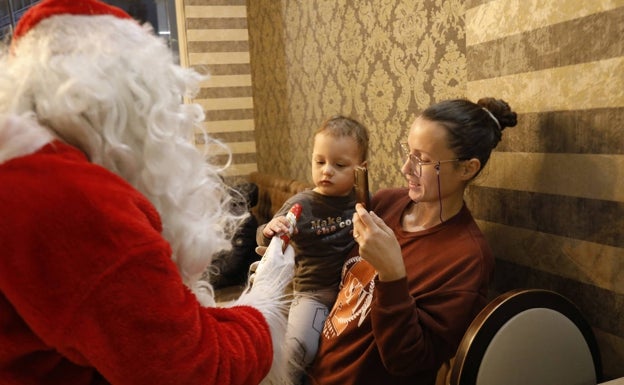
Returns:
(552, 200)
(217, 43)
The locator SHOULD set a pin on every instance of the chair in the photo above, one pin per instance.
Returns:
(528, 337)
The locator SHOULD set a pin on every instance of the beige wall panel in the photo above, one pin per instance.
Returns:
(583, 86)
(592, 263)
(591, 176)
(227, 81)
(225, 103)
(558, 216)
(215, 11)
(488, 21)
(218, 58)
(217, 35)
(217, 39)
(229, 125)
(241, 169)
(235, 148)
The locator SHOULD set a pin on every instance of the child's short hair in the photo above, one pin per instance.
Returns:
(340, 126)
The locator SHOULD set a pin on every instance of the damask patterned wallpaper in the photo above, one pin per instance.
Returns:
(378, 61)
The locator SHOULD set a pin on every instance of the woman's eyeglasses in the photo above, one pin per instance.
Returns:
(416, 164)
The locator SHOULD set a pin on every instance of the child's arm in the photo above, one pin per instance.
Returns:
(276, 226)
(281, 225)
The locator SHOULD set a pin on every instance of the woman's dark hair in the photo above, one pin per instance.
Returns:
(474, 129)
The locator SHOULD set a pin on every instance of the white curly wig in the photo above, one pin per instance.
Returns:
(111, 88)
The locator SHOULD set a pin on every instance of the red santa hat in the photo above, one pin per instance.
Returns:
(49, 8)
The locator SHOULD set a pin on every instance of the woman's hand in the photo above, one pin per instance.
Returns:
(378, 244)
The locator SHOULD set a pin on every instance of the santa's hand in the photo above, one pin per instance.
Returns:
(251, 273)
(276, 266)
(271, 276)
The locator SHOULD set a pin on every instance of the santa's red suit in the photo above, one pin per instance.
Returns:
(100, 248)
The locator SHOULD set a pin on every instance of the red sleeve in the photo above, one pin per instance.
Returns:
(412, 336)
(177, 340)
(137, 324)
(85, 266)
(419, 321)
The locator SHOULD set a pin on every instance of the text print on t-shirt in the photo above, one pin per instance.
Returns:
(329, 225)
(353, 304)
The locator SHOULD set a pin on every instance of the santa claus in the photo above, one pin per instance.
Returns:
(109, 215)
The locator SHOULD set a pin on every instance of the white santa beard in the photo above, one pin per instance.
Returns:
(84, 79)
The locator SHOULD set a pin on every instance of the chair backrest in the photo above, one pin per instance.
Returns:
(528, 337)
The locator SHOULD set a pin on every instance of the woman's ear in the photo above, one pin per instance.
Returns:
(470, 168)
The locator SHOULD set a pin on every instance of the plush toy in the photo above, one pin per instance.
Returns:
(231, 268)
(109, 216)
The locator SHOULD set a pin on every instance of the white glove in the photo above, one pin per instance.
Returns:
(251, 273)
(275, 267)
(272, 274)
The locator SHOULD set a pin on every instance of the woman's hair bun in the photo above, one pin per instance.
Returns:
(500, 110)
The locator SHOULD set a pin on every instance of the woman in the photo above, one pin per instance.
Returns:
(422, 268)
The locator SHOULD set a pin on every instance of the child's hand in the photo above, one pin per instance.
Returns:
(277, 226)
